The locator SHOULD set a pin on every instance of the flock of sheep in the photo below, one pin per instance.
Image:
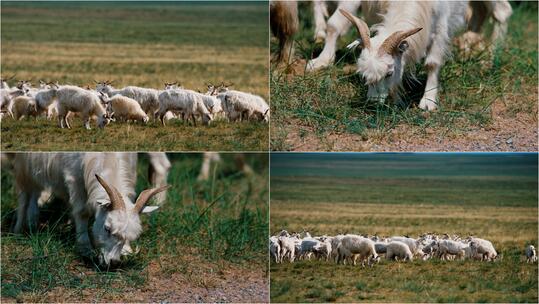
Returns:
(349, 247)
(130, 103)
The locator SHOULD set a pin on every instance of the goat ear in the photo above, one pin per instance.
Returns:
(403, 46)
(149, 209)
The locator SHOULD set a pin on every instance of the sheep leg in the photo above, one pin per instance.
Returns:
(336, 26)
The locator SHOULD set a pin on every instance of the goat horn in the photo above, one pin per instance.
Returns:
(392, 42)
(145, 196)
(115, 196)
(361, 26)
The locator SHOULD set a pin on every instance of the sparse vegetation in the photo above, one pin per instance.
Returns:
(482, 97)
(205, 231)
(493, 196)
(144, 44)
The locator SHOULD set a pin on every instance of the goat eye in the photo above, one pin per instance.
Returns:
(107, 229)
(389, 74)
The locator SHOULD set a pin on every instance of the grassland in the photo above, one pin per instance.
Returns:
(493, 196)
(207, 243)
(488, 101)
(144, 44)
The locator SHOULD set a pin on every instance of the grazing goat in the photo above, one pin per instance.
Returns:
(244, 106)
(99, 185)
(123, 108)
(407, 32)
(353, 244)
(75, 99)
(188, 103)
(284, 25)
(147, 98)
(396, 249)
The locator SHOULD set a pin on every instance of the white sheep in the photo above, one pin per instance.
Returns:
(78, 100)
(353, 244)
(414, 245)
(445, 248)
(244, 106)
(98, 185)
(396, 249)
(188, 103)
(531, 255)
(124, 108)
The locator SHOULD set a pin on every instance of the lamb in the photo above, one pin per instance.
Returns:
(75, 99)
(396, 249)
(124, 108)
(99, 185)
(22, 106)
(531, 255)
(406, 32)
(186, 102)
(240, 105)
(353, 244)
(147, 98)
(284, 25)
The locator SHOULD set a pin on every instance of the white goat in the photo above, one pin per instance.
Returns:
(353, 244)
(45, 100)
(406, 32)
(186, 102)
(396, 249)
(275, 249)
(147, 98)
(241, 105)
(484, 248)
(100, 185)
(75, 99)
(124, 108)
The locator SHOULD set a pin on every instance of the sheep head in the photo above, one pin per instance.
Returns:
(380, 62)
(118, 222)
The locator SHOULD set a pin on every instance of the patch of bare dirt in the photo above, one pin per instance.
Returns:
(509, 131)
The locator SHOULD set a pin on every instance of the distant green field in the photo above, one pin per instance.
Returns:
(143, 44)
(493, 196)
(202, 231)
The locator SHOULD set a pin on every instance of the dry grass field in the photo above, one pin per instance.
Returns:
(490, 196)
(143, 44)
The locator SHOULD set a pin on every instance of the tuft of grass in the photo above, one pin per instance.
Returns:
(333, 102)
(203, 229)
